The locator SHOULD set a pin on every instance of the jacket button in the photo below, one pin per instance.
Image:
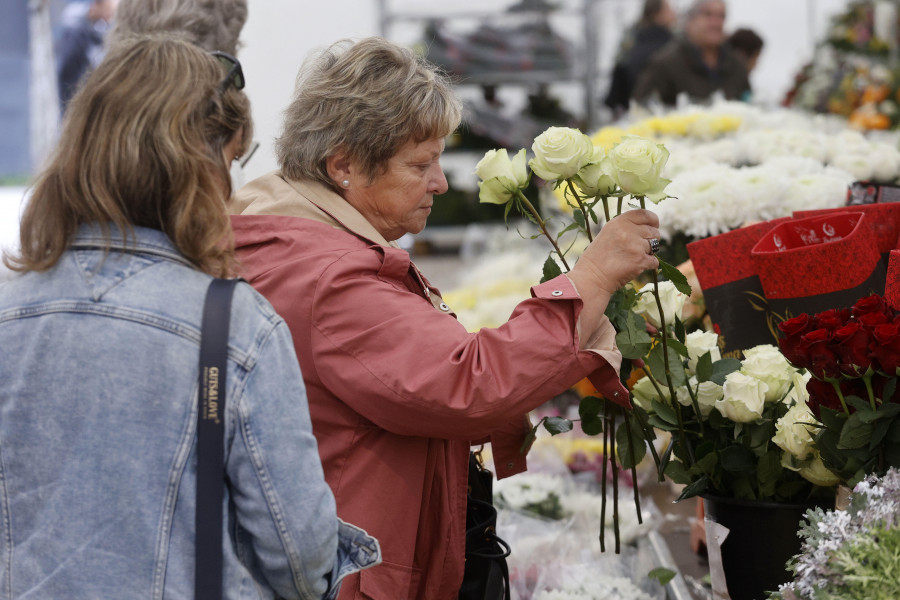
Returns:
(556, 293)
(444, 307)
(510, 465)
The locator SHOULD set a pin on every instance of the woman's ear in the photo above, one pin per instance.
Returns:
(338, 167)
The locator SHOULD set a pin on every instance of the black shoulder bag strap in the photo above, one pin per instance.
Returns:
(211, 439)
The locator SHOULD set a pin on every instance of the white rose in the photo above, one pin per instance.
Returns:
(708, 393)
(766, 363)
(645, 393)
(500, 176)
(818, 474)
(672, 303)
(798, 393)
(560, 152)
(699, 343)
(744, 398)
(592, 180)
(792, 431)
(635, 164)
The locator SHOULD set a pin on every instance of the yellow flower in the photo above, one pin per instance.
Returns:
(608, 137)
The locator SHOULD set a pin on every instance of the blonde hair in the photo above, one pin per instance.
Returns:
(142, 145)
(367, 99)
(210, 24)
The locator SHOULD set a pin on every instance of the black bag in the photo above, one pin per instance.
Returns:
(486, 575)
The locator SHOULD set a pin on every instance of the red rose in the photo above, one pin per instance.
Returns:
(873, 319)
(832, 318)
(851, 343)
(821, 393)
(793, 330)
(822, 360)
(869, 304)
(885, 348)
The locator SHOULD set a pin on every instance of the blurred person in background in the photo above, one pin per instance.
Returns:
(100, 331)
(652, 32)
(79, 47)
(398, 388)
(698, 63)
(747, 45)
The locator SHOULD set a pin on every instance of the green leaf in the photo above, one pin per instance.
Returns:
(737, 458)
(592, 426)
(675, 276)
(664, 411)
(832, 419)
(557, 425)
(590, 406)
(678, 347)
(694, 489)
(506, 210)
(676, 472)
(858, 403)
(630, 454)
(704, 368)
(551, 269)
(855, 433)
(679, 330)
(658, 367)
(579, 218)
(529, 437)
(722, 367)
(634, 341)
(662, 575)
(660, 424)
(889, 388)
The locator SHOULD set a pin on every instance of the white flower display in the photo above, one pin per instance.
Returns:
(560, 153)
(592, 179)
(857, 164)
(704, 202)
(670, 298)
(645, 393)
(744, 398)
(708, 394)
(766, 363)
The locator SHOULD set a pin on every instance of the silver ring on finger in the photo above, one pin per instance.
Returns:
(654, 245)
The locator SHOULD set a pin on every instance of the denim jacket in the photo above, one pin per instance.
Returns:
(98, 387)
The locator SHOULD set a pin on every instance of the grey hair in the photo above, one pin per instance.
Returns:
(210, 24)
(366, 99)
(696, 6)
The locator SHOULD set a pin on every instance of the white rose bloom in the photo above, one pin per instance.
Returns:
(798, 393)
(708, 393)
(560, 152)
(635, 164)
(818, 474)
(593, 180)
(793, 433)
(766, 363)
(744, 398)
(699, 343)
(858, 165)
(645, 393)
(671, 299)
(500, 176)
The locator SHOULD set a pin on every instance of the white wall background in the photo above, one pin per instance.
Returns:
(279, 34)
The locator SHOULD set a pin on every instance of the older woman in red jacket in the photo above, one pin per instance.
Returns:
(398, 389)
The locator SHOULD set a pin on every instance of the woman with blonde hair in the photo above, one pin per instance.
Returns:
(100, 330)
(398, 389)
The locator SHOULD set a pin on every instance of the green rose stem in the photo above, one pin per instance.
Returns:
(665, 345)
(837, 388)
(637, 499)
(611, 415)
(587, 220)
(605, 200)
(543, 225)
(868, 381)
(603, 481)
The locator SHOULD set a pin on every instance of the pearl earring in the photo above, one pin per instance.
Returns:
(345, 183)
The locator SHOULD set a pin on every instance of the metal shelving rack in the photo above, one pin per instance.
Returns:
(584, 72)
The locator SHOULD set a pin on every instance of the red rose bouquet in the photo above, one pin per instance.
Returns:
(853, 355)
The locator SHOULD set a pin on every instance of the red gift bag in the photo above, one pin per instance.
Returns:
(731, 288)
(813, 264)
(892, 283)
(882, 219)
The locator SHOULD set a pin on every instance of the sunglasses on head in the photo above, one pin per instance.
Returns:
(235, 75)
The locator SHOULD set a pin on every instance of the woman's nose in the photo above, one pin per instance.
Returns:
(439, 183)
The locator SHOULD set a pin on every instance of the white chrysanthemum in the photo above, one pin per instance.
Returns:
(858, 164)
(761, 189)
(824, 190)
(705, 202)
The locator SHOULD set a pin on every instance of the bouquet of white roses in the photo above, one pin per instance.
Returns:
(853, 553)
